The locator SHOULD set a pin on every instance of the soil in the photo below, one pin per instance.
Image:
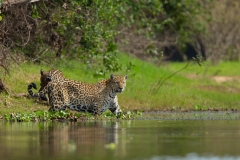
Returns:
(221, 79)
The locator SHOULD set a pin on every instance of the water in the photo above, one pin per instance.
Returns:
(125, 139)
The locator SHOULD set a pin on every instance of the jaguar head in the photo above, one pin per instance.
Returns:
(118, 83)
(44, 79)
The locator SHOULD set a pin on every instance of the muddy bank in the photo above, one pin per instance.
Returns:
(190, 115)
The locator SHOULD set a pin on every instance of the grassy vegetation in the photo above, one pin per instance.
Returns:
(214, 87)
(194, 87)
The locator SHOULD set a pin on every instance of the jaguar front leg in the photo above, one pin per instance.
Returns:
(115, 108)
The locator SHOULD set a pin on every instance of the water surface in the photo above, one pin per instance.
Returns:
(124, 139)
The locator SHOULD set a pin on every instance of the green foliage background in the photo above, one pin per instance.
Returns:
(87, 29)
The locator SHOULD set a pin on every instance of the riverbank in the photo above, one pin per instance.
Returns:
(196, 88)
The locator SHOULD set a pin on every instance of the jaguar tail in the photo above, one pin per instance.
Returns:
(30, 86)
(33, 85)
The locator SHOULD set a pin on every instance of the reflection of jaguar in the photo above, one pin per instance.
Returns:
(80, 138)
(79, 96)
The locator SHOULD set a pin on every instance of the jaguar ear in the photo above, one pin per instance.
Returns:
(126, 77)
(41, 72)
(112, 76)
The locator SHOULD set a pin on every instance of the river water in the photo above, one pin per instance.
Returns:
(152, 139)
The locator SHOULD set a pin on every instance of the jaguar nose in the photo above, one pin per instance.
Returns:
(120, 89)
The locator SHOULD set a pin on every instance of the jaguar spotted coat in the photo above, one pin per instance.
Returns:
(83, 97)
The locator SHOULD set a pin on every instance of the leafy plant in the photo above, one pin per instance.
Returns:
(64, 115)
(200, 107)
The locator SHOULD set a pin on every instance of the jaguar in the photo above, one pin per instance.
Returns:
(51, 75)
(83, 97)
(46, 77)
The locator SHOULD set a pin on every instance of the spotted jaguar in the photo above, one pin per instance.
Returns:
(83, 97)
(46, 77)
(51, 75)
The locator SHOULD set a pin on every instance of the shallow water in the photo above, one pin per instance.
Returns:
(125, 139)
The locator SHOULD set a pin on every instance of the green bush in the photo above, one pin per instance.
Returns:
(86, 30)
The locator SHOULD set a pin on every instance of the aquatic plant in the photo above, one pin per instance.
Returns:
(39, 116)
(200, 107)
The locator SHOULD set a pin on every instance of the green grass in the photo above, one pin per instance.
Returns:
(192, 89)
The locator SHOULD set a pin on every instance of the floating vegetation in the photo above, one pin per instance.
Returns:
(70, 116)
(39, 116)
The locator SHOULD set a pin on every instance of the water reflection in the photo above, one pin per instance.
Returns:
(57, 140)
(83, 138)
(139, 139)
(193, 156)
